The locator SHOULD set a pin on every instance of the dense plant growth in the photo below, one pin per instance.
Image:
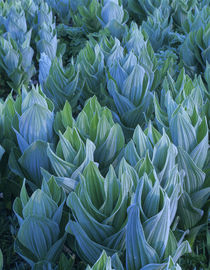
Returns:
(104, 125)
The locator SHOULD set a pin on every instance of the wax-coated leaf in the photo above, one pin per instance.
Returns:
(138, 251)
(38, 234)
(34, 158)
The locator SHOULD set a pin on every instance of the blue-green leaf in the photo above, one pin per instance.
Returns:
(138, 251)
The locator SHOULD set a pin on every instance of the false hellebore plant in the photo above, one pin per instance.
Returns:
(99, 208)
(46, 38)
(96, 123)
(15, 51)
(59, 84)
(7, 142)
(189, 132)
(92, 137)
(7, 111)
(149, 152)
(132, 78)
(195, 51)
(149, 239)
(196, 19)
(87, 16)
(16, 61)
(15, 24)
(112, 49)
(91, 61)
(136, 41)
(71, 157)
(181, 10)
(158, 27)
(33, 125)
(129, 84)
(40, 240)
(113, 17)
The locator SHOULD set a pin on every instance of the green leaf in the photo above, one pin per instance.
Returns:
(182, 132)
(116, 262)
(38, 234)
(13, 163)
(194, 177)
(62, 85)
(144, 166)
(164, 158)
(174, 189)
(200, 197)
(36, 124)
(122, 103)
(25, 253)
(89, 157)
(129, 170)
(199, 153)
(61, 167)
(107, 151)
(142, 142)
(95, 231)
(103, 262)
(89, 250)
(157, 227)
(152, 134)
(40, 204)
(24, 195)
(54, 190)
(17, 208)
(34, 158)
(130, 153)
(161, 116)
(67, 183)
(63, 119)
(181, 250)
(189, 214)
(138, 251)
(171, 245)
(31, 98)
(56, 249)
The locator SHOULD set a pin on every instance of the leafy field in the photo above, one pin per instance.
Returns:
(104, 134)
